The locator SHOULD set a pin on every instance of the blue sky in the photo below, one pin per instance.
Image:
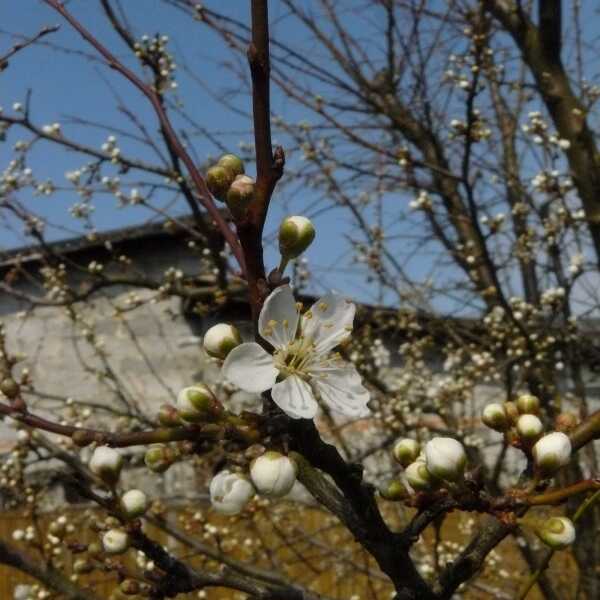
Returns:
(66, 84)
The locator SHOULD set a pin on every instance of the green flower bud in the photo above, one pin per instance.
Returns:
(232, 162)
(557, 533)
(419, 478)
(198, 403)
(393, 490)
(158, 458)
(296, 234)
(218, 181)
(240, 196)
(527, 404)
(406, 451)
(168, 416)
(221, 339)
(495, 417)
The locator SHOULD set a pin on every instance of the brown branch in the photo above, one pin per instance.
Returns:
(25, 43)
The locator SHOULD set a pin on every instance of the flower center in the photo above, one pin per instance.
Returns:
(293, 359)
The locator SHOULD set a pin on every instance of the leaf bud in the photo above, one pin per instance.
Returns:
(168, 416)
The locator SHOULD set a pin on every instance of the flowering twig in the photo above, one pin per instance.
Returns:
(152, 95)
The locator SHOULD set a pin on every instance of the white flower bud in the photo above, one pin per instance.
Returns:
(295, 236)
(406, 451)
(495, 417)
(419, 478)
(273, 474)
(445, 458)
(557, 532)
(552, 452)
(134, 503)
(529, 427)
(197, 403)
(229, 492)
(528, 404)
(106, 463)
(221, 339)
(115, 541)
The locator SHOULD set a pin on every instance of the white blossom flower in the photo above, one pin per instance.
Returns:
(557, 532)
(302, 366)
(273, 474)
(229, 492)
(552, 452)
(445, 458)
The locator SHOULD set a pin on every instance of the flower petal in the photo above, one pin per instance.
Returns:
(339, 385)
(278, 320)
(295, 398)
(328, 322)
(250, 367)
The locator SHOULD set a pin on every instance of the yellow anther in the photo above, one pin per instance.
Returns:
(323, 306)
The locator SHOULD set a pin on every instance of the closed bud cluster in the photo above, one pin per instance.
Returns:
(557, 533)
(529, 427)
(445, 458)
(198, 403)
(552, 452)
(158, 458)
(115, 541)
(273, 474)
(527, 404)
(221, 339)
(229, 492)
(134, 503)
(240, 195)
(419, 478)
(106, 463)
(495, 417)
(295, 236)
(406, 451)
(221, 176)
